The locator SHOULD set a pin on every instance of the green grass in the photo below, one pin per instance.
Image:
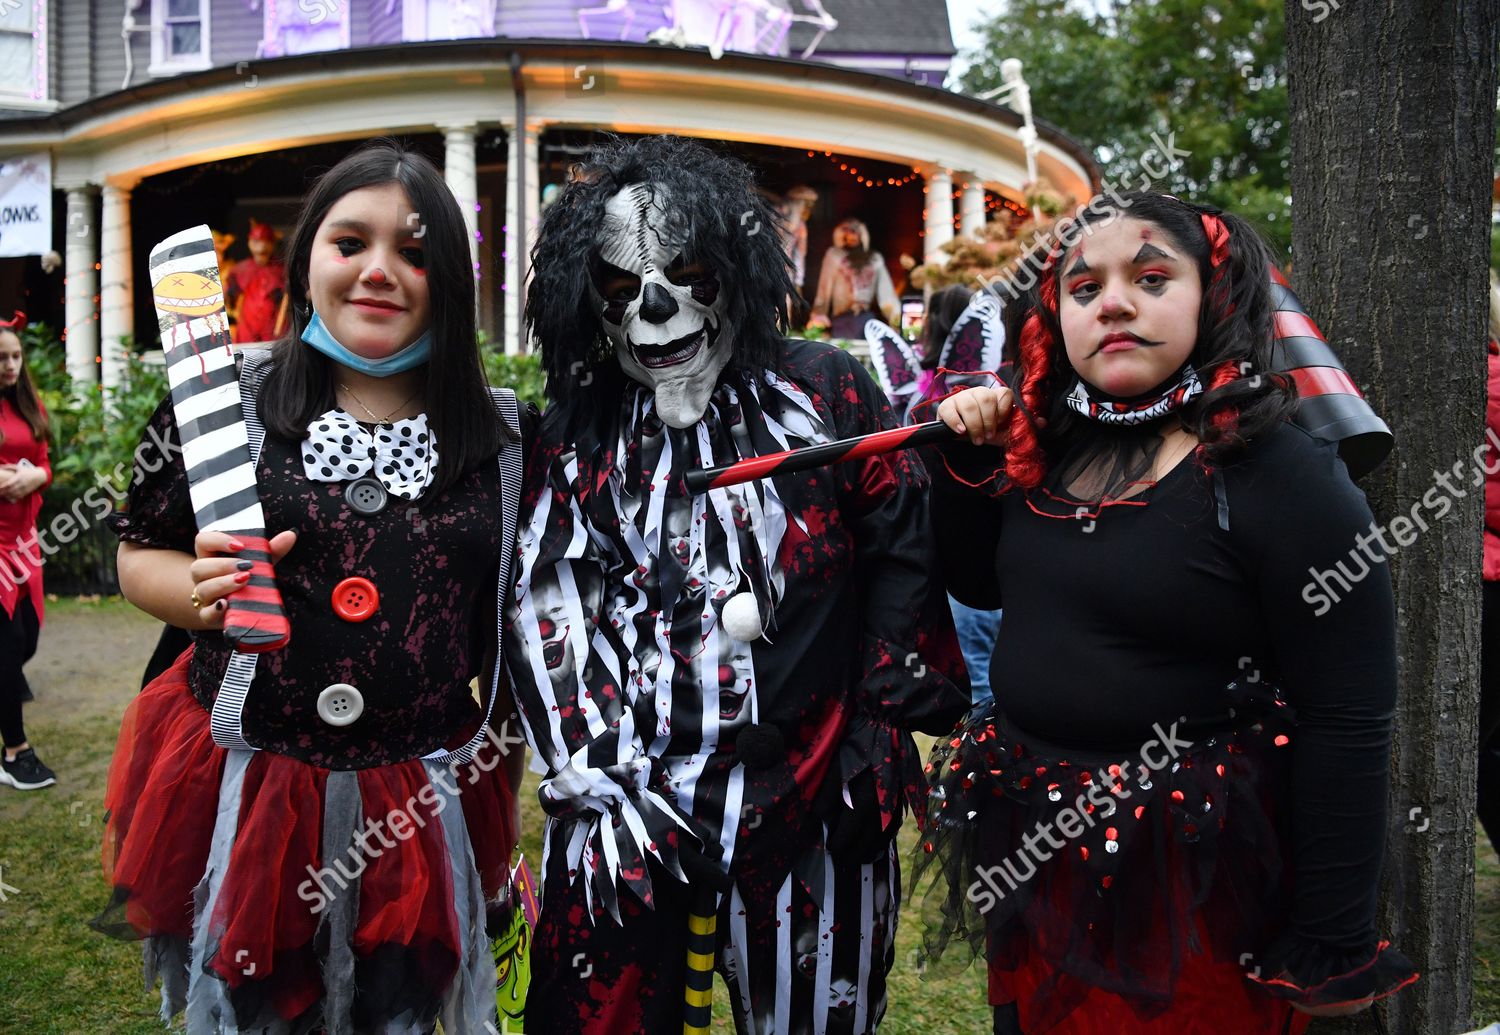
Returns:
(57, 977)
(1486, 935)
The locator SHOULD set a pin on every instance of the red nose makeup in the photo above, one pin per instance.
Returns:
(377, 276)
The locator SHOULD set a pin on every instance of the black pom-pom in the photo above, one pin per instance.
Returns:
(761, 746)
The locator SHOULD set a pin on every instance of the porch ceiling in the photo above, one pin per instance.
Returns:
(268, 105)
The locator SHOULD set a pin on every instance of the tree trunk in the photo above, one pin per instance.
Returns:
(1393, 110)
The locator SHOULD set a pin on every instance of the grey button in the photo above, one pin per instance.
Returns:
(340, 704)
(366, 496)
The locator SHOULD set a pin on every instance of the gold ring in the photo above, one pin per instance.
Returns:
(196, 599)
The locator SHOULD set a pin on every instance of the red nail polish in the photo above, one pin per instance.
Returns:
(235, 544)
(242, 577)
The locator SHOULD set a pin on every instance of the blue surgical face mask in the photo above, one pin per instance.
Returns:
(415, 354)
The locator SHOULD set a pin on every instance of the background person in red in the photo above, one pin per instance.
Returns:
(257, 287)
(1489, 663)
(24, 473)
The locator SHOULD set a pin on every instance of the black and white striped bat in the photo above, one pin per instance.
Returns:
(215, 445)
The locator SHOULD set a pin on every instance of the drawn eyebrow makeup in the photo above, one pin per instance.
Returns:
(1078, 267)
(1150, 251)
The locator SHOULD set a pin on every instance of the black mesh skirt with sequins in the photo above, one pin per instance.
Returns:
(1091, 874)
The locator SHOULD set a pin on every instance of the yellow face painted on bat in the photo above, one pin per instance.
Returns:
(191, 294)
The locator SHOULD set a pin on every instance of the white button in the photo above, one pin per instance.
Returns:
(340, 704)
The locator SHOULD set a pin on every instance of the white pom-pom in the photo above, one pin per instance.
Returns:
(741, 618)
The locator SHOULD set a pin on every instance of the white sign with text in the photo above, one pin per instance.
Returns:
(26, 205)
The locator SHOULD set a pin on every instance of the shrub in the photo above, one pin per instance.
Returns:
(94, 436)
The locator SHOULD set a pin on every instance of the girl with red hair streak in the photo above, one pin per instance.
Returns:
(1172, 818)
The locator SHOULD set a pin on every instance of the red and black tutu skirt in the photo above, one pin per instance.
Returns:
(275, 895)
(1145, 893)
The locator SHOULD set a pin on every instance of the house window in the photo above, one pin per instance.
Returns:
(179, 36)
(305, 26)
(447, 19)
(23, 50)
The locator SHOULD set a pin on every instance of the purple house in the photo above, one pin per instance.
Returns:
(149, 115)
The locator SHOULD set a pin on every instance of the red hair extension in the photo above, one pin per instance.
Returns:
(1217, 292)
(17, 323)
(1024, 463)
(1226, 420)
(1218, 240)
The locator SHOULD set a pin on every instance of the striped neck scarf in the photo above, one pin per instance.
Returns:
(1139, 410)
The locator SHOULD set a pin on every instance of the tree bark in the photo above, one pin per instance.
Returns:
(1393, 120)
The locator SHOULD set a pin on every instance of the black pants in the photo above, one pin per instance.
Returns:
(18, 636)
(173, 642)
(792, 965)
(1489, 714)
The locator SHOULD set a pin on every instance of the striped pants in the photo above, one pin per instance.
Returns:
(796, 960)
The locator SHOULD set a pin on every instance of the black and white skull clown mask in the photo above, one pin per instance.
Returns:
(664, 314)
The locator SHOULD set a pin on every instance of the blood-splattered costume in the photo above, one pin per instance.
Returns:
(256, 287)
(770, 763)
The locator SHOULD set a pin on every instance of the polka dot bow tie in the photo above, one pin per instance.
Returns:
(402, 455)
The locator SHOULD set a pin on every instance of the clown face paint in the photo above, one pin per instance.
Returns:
(664, 315)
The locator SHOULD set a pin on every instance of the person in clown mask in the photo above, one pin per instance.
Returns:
(341, 873)
(734, 743)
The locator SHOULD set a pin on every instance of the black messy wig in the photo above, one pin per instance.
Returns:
(728, 227)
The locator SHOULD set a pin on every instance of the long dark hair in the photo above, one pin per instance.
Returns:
(728, 227)
(300, 384)
(1242, 395)
(943, 311)
(24, 395)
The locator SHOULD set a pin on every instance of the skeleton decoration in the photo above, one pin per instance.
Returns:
(663, 313)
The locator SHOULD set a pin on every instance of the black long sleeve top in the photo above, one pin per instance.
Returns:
(1142, 614)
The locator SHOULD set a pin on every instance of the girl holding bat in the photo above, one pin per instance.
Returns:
(338, 874)
(1172, 817)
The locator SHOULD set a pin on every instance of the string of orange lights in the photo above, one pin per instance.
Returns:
(868, 181)
(992, 202)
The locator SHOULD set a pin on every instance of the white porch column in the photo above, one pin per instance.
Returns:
(971, 207)
(81, 281)
(116, 311)
(938, 216)
(522, 211)
(463, 180)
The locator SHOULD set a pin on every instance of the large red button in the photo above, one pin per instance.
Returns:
(355, 599)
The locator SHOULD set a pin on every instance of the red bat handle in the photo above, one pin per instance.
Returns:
(793, 460)
(254, 619)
